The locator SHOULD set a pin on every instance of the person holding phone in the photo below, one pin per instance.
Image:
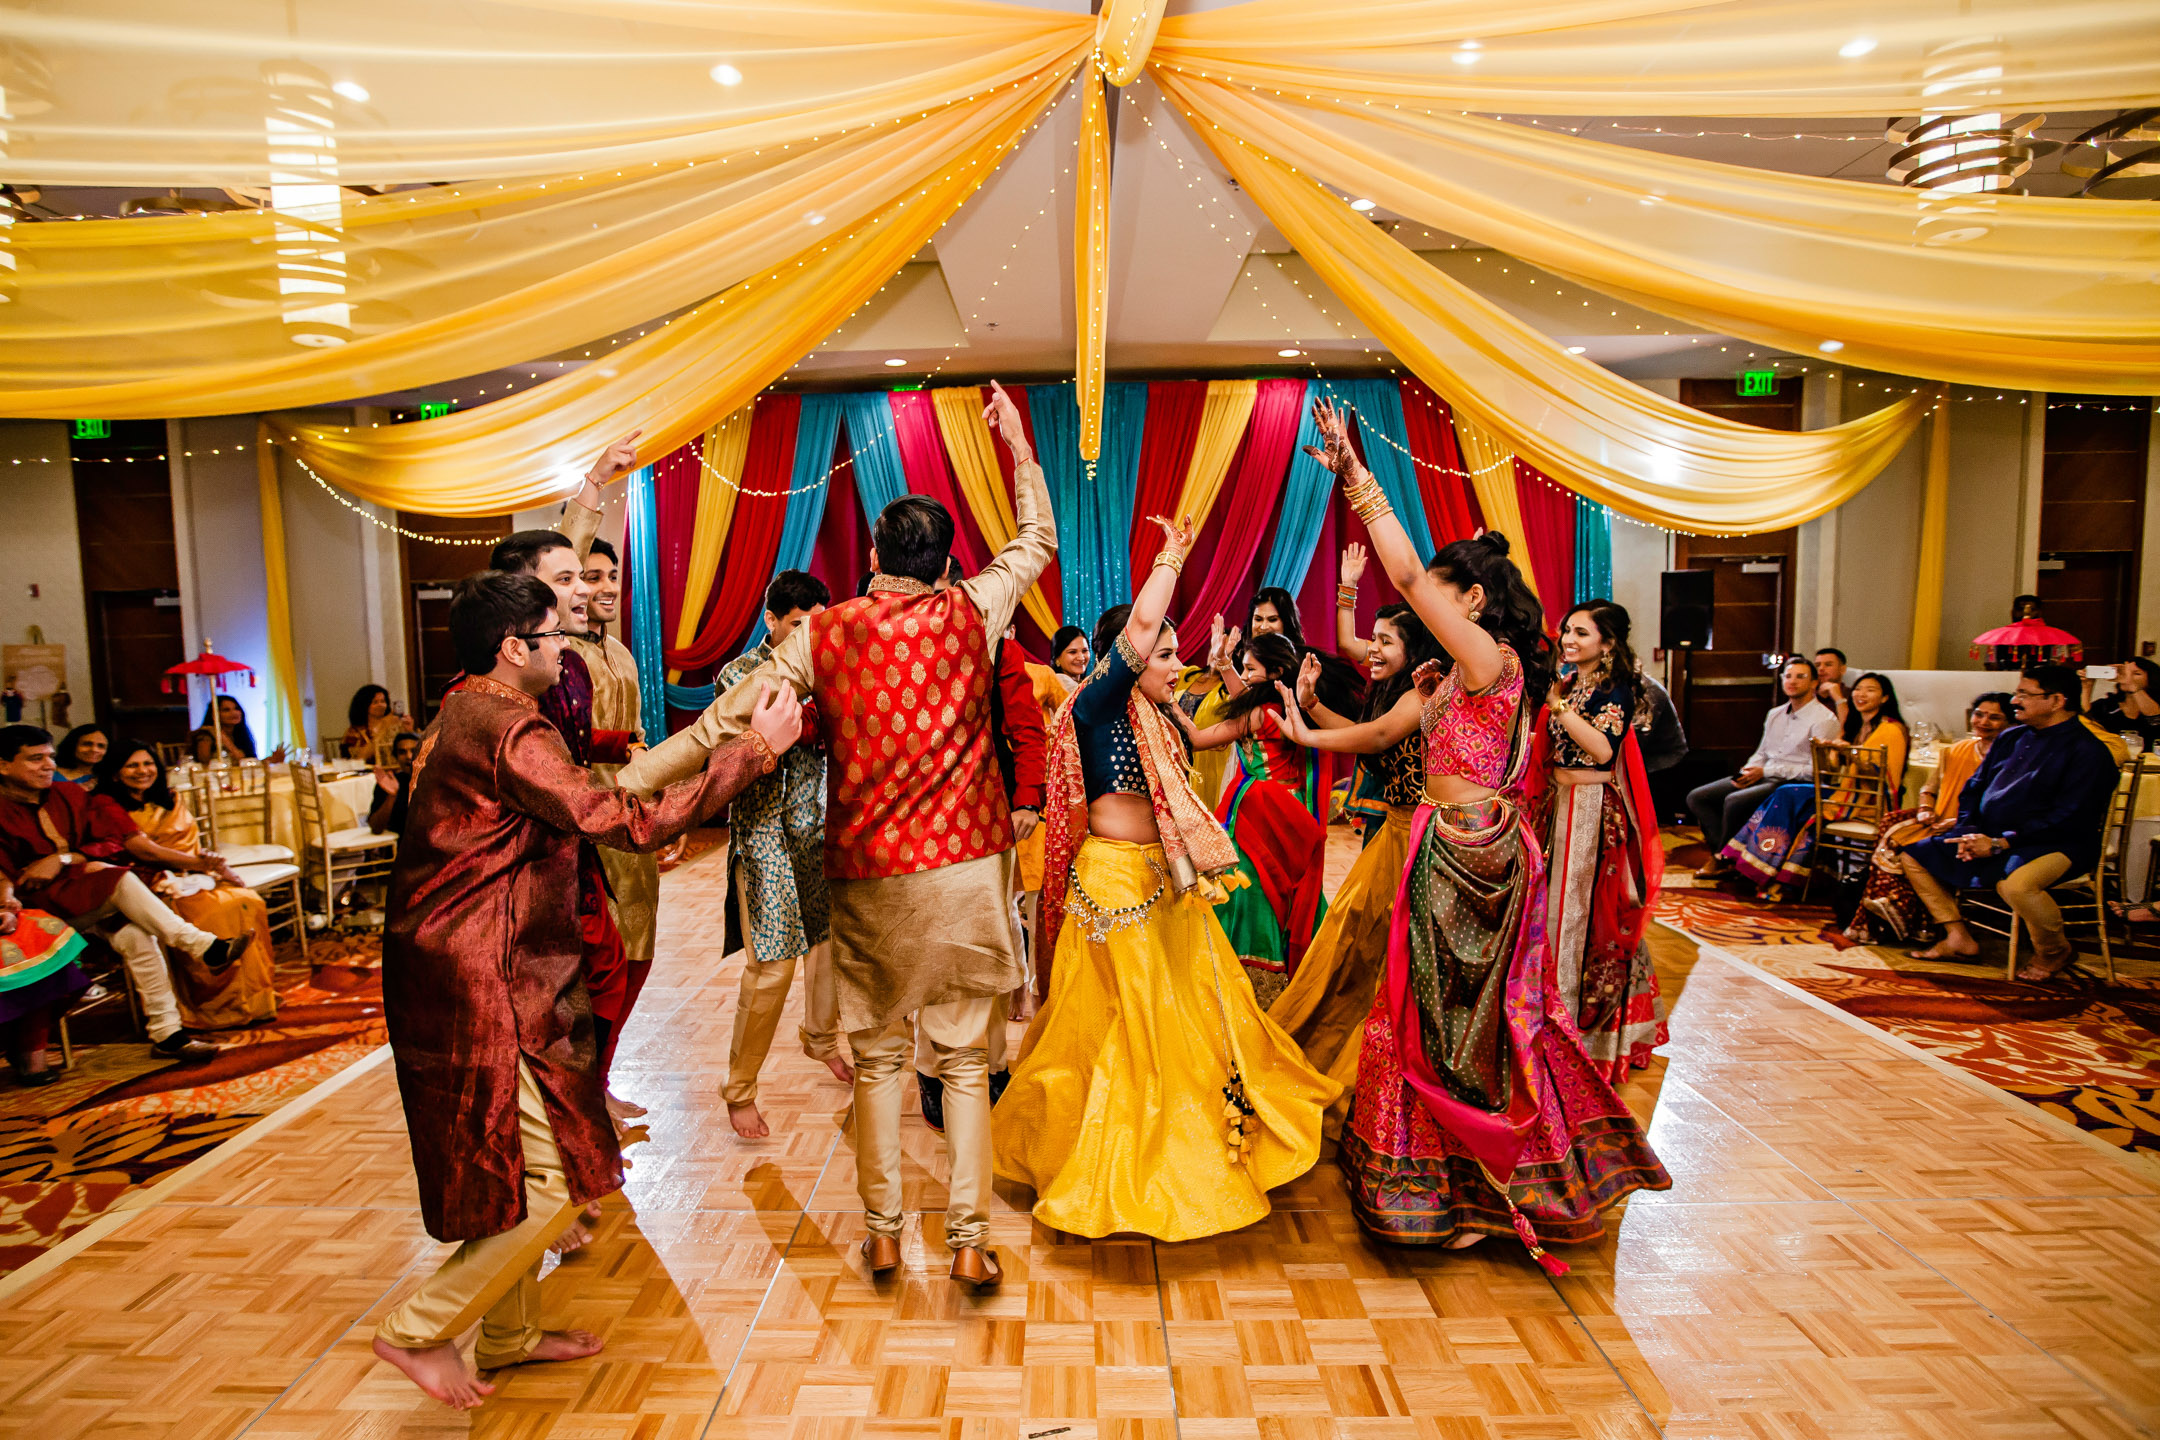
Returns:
(2134, 708)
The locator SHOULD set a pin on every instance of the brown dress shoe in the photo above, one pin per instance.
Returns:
(977, 1265)
(881, 1253)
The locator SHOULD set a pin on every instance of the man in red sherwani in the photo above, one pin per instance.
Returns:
(490, 1024)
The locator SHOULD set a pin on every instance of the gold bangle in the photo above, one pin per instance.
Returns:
(1173, 559)
(1370, 506)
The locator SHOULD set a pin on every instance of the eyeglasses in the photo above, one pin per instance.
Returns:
(543, 635)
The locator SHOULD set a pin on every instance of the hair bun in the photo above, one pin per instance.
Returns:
(1494, 541)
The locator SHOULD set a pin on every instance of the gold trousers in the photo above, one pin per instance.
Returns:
(2024, 890)
(959, 1036)
(496, 1281)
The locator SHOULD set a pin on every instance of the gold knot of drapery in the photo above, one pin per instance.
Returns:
(1124, 34)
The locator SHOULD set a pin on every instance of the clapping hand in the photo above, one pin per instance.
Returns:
(1293, 723)
(1308, 680)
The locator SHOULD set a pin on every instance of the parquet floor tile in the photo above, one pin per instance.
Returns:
(1855, 1245)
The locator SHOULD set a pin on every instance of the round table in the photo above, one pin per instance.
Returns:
(345, 801)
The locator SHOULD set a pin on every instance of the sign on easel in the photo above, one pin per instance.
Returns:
(35, 672)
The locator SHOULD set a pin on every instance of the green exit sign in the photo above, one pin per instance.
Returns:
(436, 409)
(1758, 382)
(93, 429)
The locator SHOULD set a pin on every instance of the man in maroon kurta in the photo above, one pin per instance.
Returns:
(489, 1021)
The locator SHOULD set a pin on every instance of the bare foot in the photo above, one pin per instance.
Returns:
(1465, 1240)
(572, 1240)
(2040, 969)
(1947, 949)
(440, 1371)
(624, 1109)
(564, 1345)
(841, 1070)
(747, 1122)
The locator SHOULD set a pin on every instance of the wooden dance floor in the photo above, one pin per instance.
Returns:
(1857, 1244)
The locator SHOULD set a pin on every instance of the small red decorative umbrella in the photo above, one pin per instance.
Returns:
(2028, 642)
(216, 667)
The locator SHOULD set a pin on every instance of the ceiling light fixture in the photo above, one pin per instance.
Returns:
(813, 218)
(725, 74)
(1831, 347)
(1854, 48)
(1577, 349)
(1361, 206)
(1466, 57)
(896, 362)
(352, 90)
(1289, 354)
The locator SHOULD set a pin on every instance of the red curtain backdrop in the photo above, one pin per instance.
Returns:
(1451, 507)
(746, 566)
(676, 477)
(1548, 514)
(1220, 573)
(1166, 446)
(841, 556)
(922, 456)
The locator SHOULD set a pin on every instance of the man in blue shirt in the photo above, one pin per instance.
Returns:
(2032, 815)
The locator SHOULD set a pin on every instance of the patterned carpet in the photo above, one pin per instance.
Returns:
(121, 1119)
(2082, 1049)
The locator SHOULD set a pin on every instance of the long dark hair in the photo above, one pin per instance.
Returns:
(158, 793)
(1889, 710)
(1621, 666)
(1286, 606)
(356, 714)
(1512, 614)
(242, 737)
(64, 752)
(1418, 647)
(1105, 639)
(1280, 659)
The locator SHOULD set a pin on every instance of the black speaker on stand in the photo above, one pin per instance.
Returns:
(1687, 600)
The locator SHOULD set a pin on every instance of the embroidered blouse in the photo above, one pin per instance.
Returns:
(1470, 733)
(1609, 708)
(1109, 756)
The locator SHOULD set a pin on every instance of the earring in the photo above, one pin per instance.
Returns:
(1474, 614)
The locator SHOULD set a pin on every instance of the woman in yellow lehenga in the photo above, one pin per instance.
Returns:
(245, 991)
(1152, 1094)
(1331, 990)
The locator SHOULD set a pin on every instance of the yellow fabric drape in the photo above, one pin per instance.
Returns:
(245, 92)
(354, 295)
(1605, 437)
(284, 698)
(726, 446)
(529, 448)
(973, 453)
(1223, 416)
(1091, 257)
(1125, 33)
(1685, 57)
(1492, 479)
(2017, 291)
(1934, 535)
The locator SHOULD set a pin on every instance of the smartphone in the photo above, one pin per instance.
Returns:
(2099, 672)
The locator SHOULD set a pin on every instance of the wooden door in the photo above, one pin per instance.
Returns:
(131, 581)
(2092, 519)
(432, 571)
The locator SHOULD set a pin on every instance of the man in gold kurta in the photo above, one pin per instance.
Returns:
(918, 835)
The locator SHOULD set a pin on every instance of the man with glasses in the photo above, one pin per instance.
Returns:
(490, 1024)
(2030, 818)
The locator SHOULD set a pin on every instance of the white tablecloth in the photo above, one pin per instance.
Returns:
(345, 801)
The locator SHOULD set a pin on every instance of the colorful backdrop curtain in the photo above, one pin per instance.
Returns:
(641, 535)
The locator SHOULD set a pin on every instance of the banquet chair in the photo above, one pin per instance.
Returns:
(171, 753)
(236, 806)
(331, 859)
(2083, 899)
(1853, 785)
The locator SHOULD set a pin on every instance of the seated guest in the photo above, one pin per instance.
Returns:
(2030, 818)
(76, 757)
(1776, 845)
(229, 736)
(1721, 806)
(373, 723)
(393, 786)
(1890, 913)
(67, 852)
(1831, 686)
(39, 979)
(2134, 708)
(216, 900)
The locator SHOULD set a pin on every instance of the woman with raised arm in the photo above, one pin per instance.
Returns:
(1331, 989)
(1476, 1110)
(1267, 809)
(1605, 863)
(1152, 1094)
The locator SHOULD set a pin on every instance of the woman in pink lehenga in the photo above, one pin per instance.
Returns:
(1476, 1112)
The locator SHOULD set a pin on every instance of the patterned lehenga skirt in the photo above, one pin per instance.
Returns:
(1476, 1108)
(1595, 918)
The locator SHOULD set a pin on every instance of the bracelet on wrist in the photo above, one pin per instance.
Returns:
(1175, 559)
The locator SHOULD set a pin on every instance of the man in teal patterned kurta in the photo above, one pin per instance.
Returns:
(776, 888)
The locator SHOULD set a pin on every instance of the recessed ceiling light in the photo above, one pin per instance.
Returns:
(1831, 346)
(896, 362)
(725, 74)
(1466, 57)
(352, 90)
(813, 218)
(1576, 349)
(1289, 354)
(1854, 48)
(1361, 206)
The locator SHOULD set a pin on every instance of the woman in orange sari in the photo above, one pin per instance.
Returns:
(243, 993)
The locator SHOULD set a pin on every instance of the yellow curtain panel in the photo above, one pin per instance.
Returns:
(2019, 291)
(1229, 405)
(723, 451)
(1934, 536)
(288, 727)
(1091, 257)
(972, 450)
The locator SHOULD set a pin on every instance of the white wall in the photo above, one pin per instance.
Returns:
(217, 534)
(1983, 562)
(1640, 556)
(40, 493)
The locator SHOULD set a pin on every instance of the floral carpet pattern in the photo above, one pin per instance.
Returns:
(120, 1119)
(2080, 1048)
